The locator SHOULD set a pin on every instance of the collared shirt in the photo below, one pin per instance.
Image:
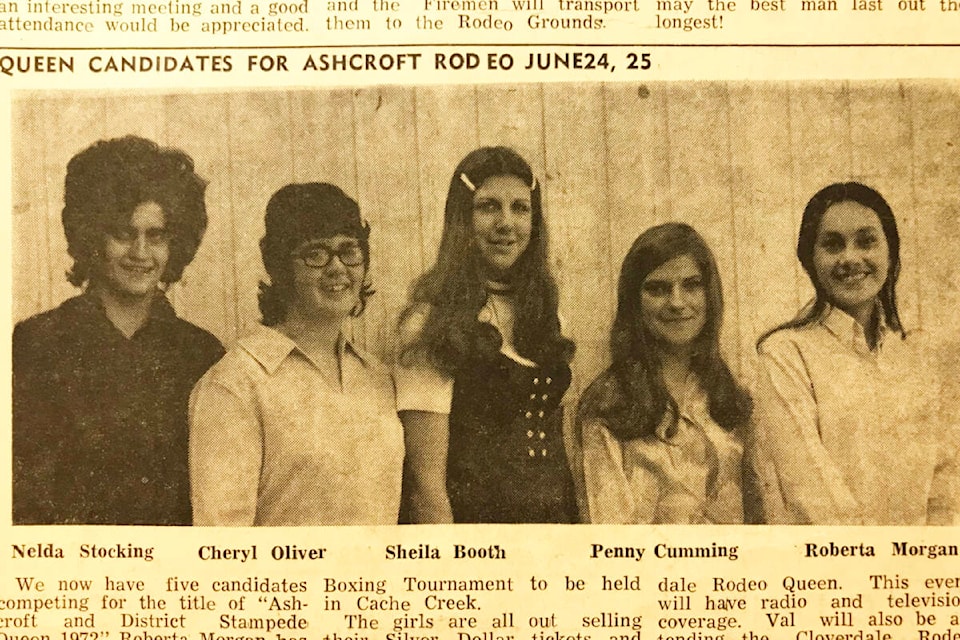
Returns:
(274, 442)
(99, 419)
(846, 434)
(691, 476)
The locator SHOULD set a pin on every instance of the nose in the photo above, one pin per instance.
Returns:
(138, 249)
(335, 265)
(677, 298)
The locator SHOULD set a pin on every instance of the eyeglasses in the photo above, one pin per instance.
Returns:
(318, 256)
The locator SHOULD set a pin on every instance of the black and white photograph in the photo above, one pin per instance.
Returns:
(724, 302)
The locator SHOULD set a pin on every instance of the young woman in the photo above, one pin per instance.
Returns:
(296, 426)
(848, 428)
(483, 365)
(660, 425)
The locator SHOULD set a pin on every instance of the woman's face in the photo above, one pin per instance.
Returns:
(851, 257)
(328, 277)
(502, 221)
(673, 302)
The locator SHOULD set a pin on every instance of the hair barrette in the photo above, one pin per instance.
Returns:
(465, 180)
(533, 185)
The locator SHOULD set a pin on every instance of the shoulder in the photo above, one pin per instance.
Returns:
(599, 395)
(412, 321)
(236, 371)
(201, 342)
(47, 333)
(787, 342)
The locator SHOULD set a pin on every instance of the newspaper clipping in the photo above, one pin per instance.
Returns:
(481, 320)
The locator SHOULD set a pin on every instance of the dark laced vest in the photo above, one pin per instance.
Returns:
(506, 460)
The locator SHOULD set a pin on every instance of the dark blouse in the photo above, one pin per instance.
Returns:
(100, 420)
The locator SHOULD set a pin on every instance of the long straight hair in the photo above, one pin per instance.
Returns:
(454, 288)
(806, 243)
(630, 396)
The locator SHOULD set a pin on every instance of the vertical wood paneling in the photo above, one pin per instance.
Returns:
(31, 183)
(820, 145)
(638, 164)
(935, 114)
(881, 136)
(446, 132)
(387, 188)
(700, 185)
(575, 161)
(198, 125)
(763, 224)
(261, 162)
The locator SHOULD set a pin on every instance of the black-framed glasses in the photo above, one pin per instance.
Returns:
(318, 256)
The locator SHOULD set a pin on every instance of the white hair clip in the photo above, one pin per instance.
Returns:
(533, 185)
(465, 180)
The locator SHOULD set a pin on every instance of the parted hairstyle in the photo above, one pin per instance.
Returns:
(630, 396)
(807, 241)
(109, 179)
(454, 289)
(299, 213)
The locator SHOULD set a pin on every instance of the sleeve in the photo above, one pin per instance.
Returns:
(420, 386)
(610, 494)
(798, 480)
(226, 452)
(35, 443)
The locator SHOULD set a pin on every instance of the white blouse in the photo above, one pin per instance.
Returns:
(689, 477)
(849, 435)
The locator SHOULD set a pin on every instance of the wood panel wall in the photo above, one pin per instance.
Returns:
(736, 160)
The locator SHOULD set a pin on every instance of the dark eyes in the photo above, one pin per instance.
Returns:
(835, 243)
(662, 288)
(490, 205)
(129, 235)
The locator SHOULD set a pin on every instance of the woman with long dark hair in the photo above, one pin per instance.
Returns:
(483, 365)
(848, 427)
(661, 426)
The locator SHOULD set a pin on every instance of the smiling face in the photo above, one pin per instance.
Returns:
(502, 222)
(851, 257)
(327, 292)
(135, 255)
(673, 302)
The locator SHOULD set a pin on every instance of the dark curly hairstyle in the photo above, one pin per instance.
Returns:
(298, 213)
(630, 395)
(455, 290)
(807, 241)
(108, 180)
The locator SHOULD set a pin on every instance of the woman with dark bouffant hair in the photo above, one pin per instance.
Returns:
(661, 426)
(483, 365)
(296, 425)
(850, 426)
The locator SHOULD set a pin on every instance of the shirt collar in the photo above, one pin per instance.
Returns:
(270, 348)
(848, 331)
(90, 307)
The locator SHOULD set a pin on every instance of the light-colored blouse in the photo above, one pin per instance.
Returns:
(849, 435)
(691, 476)
(273, 442)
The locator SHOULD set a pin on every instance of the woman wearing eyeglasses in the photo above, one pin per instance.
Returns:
(295, 425)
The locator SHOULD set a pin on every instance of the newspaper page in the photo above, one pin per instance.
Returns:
(480, 319)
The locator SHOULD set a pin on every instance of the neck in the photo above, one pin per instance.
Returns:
(675, 365)
(317, 339)
(867, 316)
(127, 313)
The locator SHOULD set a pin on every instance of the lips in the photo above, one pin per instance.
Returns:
(335, 287)
(850, 275)
(138, 270)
